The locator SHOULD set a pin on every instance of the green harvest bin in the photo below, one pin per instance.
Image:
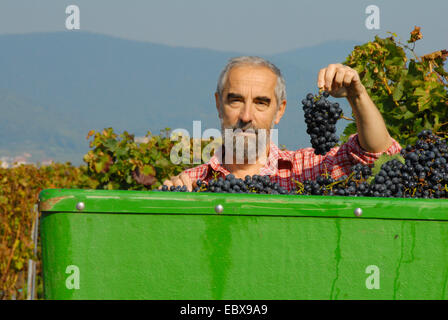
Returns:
(162, 245)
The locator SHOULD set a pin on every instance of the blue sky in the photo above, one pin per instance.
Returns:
(246, 26)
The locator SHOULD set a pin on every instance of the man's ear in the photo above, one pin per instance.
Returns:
(218, 105)
(280, 112)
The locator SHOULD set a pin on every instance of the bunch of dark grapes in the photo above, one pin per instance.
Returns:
(175, 189)
(353, 185)
(424, 174)
(321, 116)
(388, 181)
(230, 184)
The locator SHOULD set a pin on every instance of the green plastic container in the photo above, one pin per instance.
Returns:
(163, 245)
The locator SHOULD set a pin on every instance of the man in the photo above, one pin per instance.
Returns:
(251, 95)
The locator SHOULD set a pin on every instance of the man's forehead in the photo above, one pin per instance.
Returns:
(253, 76)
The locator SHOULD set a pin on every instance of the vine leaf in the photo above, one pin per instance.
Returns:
(415, 35)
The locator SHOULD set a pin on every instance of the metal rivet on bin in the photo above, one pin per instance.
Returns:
(358, 212)
(219, 208)
(80, 206)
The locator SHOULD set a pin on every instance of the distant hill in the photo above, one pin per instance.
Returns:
(27, 126)
(55, 87)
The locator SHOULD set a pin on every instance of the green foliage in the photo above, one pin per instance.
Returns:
(411, 94)
(19, 190)
(119, 162)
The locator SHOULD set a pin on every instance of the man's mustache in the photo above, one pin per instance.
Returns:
(244, 127)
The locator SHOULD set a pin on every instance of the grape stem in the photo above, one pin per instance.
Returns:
(300, 186)
(326, 174)
(215, 175)
(337, 182)
(346, 118)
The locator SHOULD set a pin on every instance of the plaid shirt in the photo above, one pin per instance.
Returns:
(285, 166)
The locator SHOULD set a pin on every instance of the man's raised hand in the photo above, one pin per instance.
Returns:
(340, 81)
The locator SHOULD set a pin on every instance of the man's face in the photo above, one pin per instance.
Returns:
(248, 100)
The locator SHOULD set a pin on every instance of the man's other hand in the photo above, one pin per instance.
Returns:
(180, 180)
(340, 81)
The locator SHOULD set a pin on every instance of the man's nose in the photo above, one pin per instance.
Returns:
(246, 114)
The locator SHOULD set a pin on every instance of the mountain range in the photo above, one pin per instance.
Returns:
(55, 87)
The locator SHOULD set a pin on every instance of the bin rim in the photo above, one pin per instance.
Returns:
(158, 202)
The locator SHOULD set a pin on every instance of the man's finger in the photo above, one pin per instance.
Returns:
(168, 183)
(329, 75)
(339, 78)
(185, 178)
(321, 78)
(176, 181)
(348, 78)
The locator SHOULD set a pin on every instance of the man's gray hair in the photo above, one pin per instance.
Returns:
(280, 88)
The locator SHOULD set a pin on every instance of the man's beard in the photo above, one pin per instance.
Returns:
(248, 143)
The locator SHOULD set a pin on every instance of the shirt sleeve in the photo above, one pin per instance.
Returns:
(358, 155)
(198, 172)
(350, 153)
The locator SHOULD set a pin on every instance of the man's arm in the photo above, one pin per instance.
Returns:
(343, 81)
